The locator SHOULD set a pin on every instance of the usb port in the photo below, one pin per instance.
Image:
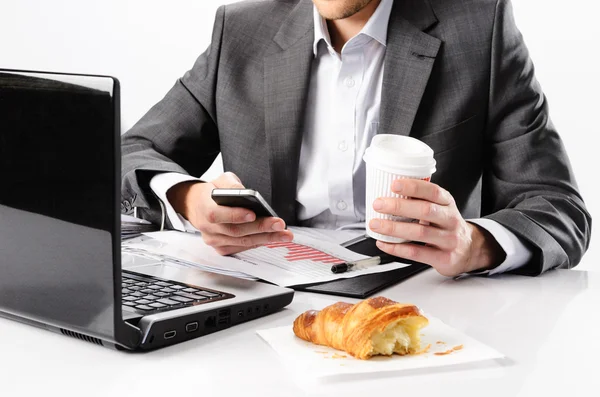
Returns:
(223, 321)
(170, 334)
(224, 313)
(191, 327)
(241, 313)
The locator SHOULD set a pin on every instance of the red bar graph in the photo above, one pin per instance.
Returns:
(298, 252)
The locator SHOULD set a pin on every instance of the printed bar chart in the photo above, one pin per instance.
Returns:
(294, 257)
(298, 252)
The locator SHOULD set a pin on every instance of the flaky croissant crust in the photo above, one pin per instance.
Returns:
(351, 328)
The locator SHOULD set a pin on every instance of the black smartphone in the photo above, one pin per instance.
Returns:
(243, 198)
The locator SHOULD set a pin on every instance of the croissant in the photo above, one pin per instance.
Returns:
(376, 326)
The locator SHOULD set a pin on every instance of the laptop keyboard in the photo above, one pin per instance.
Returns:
(146, 294)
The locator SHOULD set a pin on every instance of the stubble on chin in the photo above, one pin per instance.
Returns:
(333, 12)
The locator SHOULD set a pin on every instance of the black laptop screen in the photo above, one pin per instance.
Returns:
(57, 199)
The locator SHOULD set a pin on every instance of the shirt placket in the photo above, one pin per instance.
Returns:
(342, 143)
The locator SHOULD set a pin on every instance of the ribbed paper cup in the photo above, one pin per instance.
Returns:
(392, 157)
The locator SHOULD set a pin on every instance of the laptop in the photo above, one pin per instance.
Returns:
(61, 266)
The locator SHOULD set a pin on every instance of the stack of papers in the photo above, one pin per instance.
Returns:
(160, 251)
(134, 227)
(306, 260)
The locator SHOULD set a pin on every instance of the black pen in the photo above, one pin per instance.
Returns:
(363, 263)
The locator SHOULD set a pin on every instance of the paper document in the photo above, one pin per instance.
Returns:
(132, 219)
(447, 346)
(203, 258)
(333, 236)
(306, 260)
(305, 257)
(133, 227)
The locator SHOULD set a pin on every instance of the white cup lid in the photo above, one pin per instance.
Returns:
(401, 155)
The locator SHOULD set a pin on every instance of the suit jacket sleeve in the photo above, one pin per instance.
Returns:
(179, 134)
(528, 183)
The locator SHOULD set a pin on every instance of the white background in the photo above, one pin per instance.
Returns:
(148, 44)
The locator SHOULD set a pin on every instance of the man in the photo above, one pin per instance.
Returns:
(291, 93)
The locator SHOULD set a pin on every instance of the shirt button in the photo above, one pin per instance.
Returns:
(349, 82)
(341, 205)
(343, 146)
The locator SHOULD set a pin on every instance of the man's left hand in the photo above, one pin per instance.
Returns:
(453, 246)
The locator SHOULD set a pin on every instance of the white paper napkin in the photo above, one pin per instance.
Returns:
(320, 361)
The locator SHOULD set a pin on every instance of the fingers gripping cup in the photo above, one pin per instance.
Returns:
(392, 157)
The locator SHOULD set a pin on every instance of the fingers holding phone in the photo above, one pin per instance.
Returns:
(233, 226)
(267, 227)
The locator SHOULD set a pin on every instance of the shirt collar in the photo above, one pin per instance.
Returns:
(376, 27)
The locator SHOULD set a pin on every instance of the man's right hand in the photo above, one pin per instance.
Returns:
(228, 230)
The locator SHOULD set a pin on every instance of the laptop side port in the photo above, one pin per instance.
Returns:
(191, 327)
(224, 313)
(170, 334)
(210, 322)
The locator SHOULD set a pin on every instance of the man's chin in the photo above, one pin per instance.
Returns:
(340, 9)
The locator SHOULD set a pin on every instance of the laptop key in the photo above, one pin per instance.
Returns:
(150, 297)
(177, 287)
(142, 301)
(208, 294)
(190, 290)
(141, 284)
(134, 288)
(163, 284)
(157, 305)
(161, 294)
(168, 302)
(190, 296)
(137, 294)
(170, 290)
(147, 291)
(181, 299)
(144, 308)
(126, 303)
(155, 287)
(130, 298)
(126, 291)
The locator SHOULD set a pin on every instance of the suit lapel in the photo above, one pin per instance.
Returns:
(286, 80)
(409, 59)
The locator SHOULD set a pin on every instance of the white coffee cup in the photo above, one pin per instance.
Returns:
(392, 157)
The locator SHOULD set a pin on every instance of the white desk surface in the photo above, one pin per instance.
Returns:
(548, 327)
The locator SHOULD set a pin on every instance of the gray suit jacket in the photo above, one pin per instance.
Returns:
(457, 76)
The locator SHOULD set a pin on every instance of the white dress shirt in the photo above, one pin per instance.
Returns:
(341, 118)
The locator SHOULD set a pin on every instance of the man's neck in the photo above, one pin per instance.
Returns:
(342, 30)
